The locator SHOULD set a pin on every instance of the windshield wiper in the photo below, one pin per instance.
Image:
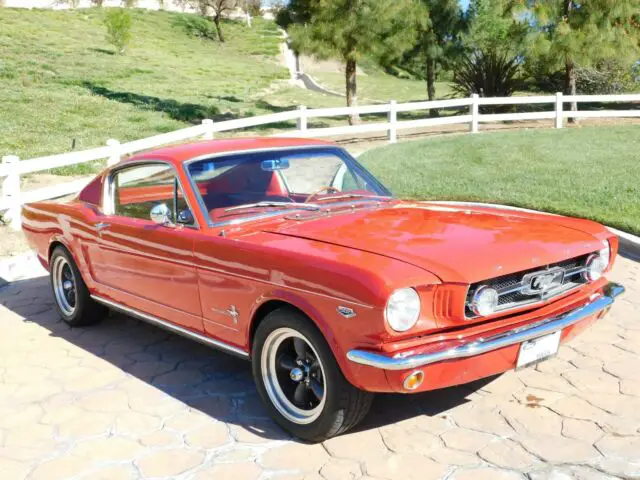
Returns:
(297, 206)
(356, 195)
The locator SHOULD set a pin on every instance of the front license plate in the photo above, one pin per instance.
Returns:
(533, 351)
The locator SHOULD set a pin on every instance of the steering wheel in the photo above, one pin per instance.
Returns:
(323, 189)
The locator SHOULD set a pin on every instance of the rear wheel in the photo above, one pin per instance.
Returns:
(299, 380)
(74, 302)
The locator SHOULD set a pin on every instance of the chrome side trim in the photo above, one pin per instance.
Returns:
(172, 327)
(484, 345)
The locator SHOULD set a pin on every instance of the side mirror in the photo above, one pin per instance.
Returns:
(161, 214)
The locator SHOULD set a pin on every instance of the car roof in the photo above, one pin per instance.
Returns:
(180, 153)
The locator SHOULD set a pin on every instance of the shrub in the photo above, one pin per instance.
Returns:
(129, 3)
(607, 77)
(489, 74)
(199, 27)
(97, 3)
(118, 23)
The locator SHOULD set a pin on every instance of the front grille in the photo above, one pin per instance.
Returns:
(512, 288)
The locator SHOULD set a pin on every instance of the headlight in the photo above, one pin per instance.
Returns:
(596, 266)
(598, 262)
(485, 301)
(403, 309)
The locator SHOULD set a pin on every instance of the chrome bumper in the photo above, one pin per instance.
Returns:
(484, 345)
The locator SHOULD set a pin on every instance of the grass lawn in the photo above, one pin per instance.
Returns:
(379, 87)
(590, 172)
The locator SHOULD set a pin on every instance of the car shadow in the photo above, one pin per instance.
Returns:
(212, 382)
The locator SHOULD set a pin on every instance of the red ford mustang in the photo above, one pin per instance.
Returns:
(290, 253)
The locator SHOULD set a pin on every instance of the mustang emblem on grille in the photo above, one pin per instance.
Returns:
(539, 283)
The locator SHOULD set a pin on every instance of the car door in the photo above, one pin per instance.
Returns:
(142, 264)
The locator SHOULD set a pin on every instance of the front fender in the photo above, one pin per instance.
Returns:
(340, 333)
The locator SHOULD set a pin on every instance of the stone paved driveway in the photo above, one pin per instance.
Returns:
(125, 400)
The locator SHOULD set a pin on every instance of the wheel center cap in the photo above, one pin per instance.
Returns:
(67, 285)
(296, 374)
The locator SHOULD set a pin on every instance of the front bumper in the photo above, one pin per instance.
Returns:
(597, 304)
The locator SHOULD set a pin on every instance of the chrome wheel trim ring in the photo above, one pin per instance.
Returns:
(61, 285)
(272, 385)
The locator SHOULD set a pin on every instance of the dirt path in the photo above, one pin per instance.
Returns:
(300, 78)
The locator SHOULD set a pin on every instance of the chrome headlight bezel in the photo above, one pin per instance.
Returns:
(484, 297)
(402, 310)
(605, 252)
(594, 267)
(597, 263)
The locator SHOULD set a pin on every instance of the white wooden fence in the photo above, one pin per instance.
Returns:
(12, 168)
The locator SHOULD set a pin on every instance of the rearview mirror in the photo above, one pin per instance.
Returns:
(275, 164)
(161, 214)
(185, 217)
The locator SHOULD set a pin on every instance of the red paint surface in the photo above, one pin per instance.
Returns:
(355, 259)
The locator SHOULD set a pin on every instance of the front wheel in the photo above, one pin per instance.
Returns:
(299, 380)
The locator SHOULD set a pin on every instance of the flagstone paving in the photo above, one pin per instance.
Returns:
(125, 400)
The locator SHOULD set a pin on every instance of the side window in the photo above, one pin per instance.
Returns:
(136, 190)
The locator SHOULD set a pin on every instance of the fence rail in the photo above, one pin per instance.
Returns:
(11, 168)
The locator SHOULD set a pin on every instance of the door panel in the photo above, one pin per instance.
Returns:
(151, 262)
(142, 262)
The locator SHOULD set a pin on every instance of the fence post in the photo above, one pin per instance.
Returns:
(301, 121)
(392, 119)
(11, 191)
(207, 123)
(114, 156)
(475, 111)
(559, 107)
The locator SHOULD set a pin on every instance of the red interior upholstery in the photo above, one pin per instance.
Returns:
(242, 184)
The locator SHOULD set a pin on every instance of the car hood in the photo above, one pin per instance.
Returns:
(458, 244)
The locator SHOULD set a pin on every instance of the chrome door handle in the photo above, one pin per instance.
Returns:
(101, 226)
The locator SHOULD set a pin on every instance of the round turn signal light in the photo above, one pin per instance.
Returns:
(414, 380)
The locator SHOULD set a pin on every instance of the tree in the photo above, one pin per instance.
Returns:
(438, 39)
(217, 9)
(295, 12)
(352, 29)
(252, 7)
(492, 47)
(118, 22)
(580, 34)
(495, 26)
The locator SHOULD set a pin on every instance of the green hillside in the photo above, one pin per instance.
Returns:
(62, 86)
(60, 79)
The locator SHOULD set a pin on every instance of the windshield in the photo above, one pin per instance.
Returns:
(303, 178)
